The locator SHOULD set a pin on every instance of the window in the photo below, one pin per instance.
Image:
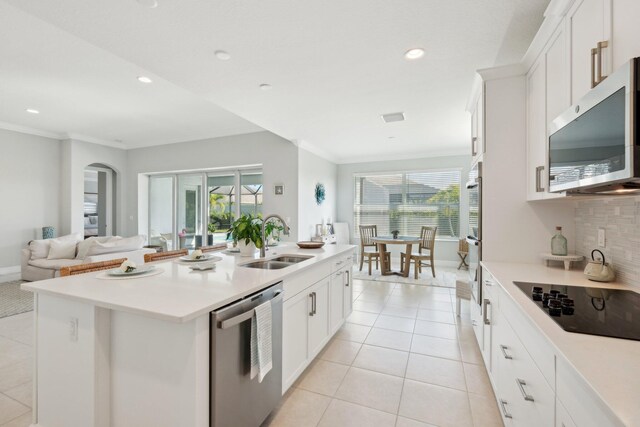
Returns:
(178, 203)
(406, 201)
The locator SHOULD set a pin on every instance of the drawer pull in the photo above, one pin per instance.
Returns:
(503, 404)
(521, 383)
(504, 352)
(487, 283)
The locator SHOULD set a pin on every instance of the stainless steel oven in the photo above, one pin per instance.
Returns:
(474, 234)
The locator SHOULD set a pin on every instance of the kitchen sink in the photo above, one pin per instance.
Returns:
(292, 259)
(282, 261)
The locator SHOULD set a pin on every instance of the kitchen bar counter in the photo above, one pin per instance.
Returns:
(180, 294)
(610, 367)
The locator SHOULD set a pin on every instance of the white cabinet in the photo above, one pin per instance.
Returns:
(563, 419)
(348, 290)
(337, 298)
(477, 128)
(626, 43)
(295, 337)
(318, 316)
(316, 304)
(588, 28)
(536, 130)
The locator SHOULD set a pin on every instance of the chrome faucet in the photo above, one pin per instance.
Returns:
(264, 239)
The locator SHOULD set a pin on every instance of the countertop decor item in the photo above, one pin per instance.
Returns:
(558, 243)
(320, 193)
(310, 245)
(599, 270)
(566, 259)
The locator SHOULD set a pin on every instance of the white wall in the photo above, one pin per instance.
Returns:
(76, 156)
(29, 193)
(312, 170)
(278, 157)
(445, 250)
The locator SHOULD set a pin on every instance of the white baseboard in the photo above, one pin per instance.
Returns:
(8, 274)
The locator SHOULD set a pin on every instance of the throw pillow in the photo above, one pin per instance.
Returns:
(126, 244)
(40, 248)
(85, 245)
(62, 249)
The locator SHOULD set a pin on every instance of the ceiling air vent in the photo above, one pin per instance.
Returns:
(393, 117)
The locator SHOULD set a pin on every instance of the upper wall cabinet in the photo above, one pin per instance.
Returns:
(589, 30)
(625, 16)
(477, 128)
(548, 95)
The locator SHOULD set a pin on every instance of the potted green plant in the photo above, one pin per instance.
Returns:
(246, 233)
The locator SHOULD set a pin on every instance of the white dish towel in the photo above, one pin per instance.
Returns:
(261, 347)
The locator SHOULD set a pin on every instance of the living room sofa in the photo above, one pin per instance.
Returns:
(40, 261)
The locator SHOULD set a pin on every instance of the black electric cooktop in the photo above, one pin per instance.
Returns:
(595, 311)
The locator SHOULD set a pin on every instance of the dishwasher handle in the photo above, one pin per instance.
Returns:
(229, 323)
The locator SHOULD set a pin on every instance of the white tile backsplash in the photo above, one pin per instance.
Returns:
(620, 217)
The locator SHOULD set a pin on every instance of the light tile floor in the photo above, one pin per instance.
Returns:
(16, 365)
(402, 359)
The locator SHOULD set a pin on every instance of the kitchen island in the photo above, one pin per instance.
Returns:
(136, 352)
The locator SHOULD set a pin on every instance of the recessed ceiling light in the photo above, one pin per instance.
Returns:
(151, 4)
(393, 117)
(144, 79)
(391, 137)
(414, 53)
(265, 86)
(32, 111)
(222, 55)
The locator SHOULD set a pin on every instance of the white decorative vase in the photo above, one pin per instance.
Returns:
(246, 250)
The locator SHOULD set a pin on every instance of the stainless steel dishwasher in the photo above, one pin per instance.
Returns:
(236, 399)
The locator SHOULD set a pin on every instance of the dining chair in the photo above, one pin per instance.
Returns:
(463, 252)
(165, 255)
(367, 233)
(427, 243)
(214, 248)
(90, 267)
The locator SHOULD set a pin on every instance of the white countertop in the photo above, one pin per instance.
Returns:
(180, 294)
(611, 366)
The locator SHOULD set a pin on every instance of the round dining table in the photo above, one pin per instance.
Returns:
(382, 243)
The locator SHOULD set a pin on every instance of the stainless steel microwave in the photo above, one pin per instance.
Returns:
(593, 146)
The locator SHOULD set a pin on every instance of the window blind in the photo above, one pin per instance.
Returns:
(406, 201)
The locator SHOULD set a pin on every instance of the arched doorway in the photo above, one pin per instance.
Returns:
(99, 200)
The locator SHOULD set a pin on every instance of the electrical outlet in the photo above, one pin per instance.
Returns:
(601, 238)
(73, 329)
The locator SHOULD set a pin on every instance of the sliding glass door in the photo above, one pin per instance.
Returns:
(197, 209)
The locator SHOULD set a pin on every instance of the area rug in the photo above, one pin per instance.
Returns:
(14, 300)
(445, 276)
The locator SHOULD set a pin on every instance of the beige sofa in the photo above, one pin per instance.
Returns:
(40, 261)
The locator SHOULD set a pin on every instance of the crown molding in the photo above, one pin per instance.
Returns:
(92, 140)
(30, 131)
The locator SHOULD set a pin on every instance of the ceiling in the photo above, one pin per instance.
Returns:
(334, 68)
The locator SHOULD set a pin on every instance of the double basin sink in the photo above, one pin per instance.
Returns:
(282, 261)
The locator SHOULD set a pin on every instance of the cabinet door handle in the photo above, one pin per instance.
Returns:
(485, 319)
(503, 404)
(315, 303)
(504, 352)
(594, 53)
(474, 141)
(600, 46)
(521, 383)
(539, 187)
(347, 275)
(487, 283)
(311, 313)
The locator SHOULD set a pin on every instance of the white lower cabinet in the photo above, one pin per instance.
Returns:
(563, 419)
(313, 315)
